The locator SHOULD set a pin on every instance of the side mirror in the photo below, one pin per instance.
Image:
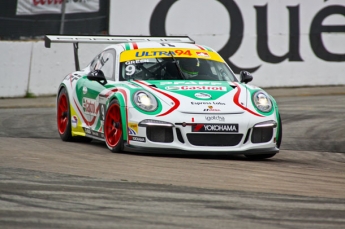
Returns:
(97, 75)
(245, 77)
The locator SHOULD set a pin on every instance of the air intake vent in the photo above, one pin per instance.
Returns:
(214, 139)
(261, 135)
(159, 134)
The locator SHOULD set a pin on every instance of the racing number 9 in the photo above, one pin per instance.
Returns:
(130, 69)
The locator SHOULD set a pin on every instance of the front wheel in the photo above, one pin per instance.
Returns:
(63, 116)
(280, 132)
(113, 133)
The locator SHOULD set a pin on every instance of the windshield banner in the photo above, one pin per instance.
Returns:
(168, 53)
(32, 7)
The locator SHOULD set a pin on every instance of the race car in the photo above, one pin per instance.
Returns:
(165, 95)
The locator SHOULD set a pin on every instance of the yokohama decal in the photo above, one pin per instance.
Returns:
(215, 128)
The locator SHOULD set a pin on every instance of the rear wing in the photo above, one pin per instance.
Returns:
(75, 40)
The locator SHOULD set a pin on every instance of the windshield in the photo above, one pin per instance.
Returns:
(175, 68)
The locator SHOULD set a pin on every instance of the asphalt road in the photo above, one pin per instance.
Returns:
(47, 183)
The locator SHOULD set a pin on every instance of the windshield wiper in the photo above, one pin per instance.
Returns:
(177, 66)
(160, 64)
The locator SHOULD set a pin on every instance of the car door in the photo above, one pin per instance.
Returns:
(93, 106)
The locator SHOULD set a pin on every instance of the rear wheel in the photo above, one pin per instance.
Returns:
(64, 119)
(113, 127)
(64, 116)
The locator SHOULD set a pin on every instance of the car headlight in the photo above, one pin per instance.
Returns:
(262, 101)
(145, 100)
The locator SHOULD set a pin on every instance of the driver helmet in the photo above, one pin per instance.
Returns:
(189, 67)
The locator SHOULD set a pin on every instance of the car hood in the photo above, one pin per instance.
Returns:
(189, 96)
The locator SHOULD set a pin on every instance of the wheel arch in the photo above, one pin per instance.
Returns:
(123, 110)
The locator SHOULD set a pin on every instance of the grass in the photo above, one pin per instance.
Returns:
(29, 95)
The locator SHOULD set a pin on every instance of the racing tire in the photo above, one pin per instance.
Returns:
(280, 133)
(113, 132)
(63, 116)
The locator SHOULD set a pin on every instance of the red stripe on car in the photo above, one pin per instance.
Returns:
(236, 101)
(176, 101)
(200, 47)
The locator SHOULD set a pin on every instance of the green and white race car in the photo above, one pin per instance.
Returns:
(166, 95)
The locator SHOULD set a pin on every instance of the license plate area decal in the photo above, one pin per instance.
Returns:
(215, 128)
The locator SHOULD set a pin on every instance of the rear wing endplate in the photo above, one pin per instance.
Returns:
(75, 40)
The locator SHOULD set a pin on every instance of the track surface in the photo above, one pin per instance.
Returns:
(47, 183)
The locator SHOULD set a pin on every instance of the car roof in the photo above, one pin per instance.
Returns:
(156, 45)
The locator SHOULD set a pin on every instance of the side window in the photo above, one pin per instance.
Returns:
(106, 63)
(94, 62)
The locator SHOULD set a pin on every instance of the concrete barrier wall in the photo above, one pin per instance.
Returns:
(29, 67)
(15, 68)
(295, 51)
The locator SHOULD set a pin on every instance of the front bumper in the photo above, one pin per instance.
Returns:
(136, 149)
(240, 134)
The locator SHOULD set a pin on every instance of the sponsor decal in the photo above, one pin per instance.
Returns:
(215, 128)
(171, 88)
(97, 134)
(84, 90)
(203, 54)
(215, 117)
(93, 133)
(87, 130)
(74, 121)
(191, 83)
(73, 77)
(157, 53)
(137, 139)
(210, 108)
(196, 88)
(132, 128)
(89, 106)
(207, 103)
(137, 61)
(31, 7)
(202, 95)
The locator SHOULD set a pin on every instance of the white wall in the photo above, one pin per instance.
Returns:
(30, 67)
(208, 22)
(15, 68)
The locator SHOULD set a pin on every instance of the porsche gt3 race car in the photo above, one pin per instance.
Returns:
(165, 94)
